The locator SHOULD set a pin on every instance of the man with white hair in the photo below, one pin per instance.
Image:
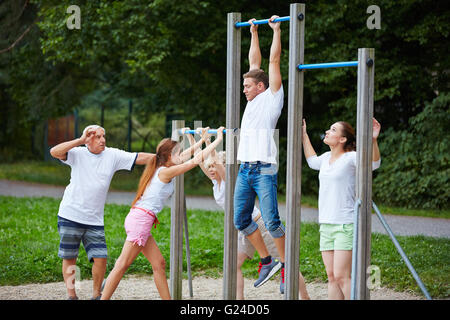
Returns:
(81, 211)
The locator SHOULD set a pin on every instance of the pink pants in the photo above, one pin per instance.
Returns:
(138, 225)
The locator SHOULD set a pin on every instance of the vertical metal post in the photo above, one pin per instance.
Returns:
(76, 120)
(176, 230)
(232, 121)
(294, 150)
(188, 250)
(46, 148)
(102, 115)
(366, 68)
(130, 110)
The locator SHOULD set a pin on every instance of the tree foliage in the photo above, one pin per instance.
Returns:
(170, 57)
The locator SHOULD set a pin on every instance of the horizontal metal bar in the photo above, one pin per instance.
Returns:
(328, 65)
(402, 253)
(213, 131)
(264, 21)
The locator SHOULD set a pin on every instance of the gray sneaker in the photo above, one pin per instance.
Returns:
(266, 271)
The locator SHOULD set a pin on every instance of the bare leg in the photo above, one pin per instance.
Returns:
(126, 258)
(257, 241)
(334, 291)
(280, 243)
(68, 270)
(302, 287)
(343, 271)
(156, 259)
(240, 278)
(98, 274)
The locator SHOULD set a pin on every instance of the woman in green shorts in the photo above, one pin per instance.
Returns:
(337, 170)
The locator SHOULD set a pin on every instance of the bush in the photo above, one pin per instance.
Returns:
(415, 162)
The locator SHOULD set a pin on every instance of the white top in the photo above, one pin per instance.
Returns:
(337, 186)
(85, 196)
(156, 194)
(219, 196)
(256, 142)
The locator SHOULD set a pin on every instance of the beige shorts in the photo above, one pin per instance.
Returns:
(246, 247)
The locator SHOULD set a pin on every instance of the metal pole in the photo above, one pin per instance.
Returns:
(102, 115)
(294, 151)
(355, 247)
(328, 65)
(232, 121)
(176, 230)
(402, 253)
(264, 21)
(188, 250)
(130, 109)
(213, 131)
(364, 165)
(75, 126)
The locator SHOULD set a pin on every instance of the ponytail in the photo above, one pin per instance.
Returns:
(349, 133)
(146, 177)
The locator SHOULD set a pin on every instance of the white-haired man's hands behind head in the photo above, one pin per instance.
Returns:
(60, 151)
(89, 133)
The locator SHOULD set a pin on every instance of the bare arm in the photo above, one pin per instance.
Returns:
(254, 54)
(202, 166)
(275, 57)
(307, 146)
(144, 157)
(167, 174)
(194, 146)
(60, 150)
(376, 132)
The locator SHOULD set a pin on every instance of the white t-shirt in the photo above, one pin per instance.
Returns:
(256, 142)
(219, 196)
(336, 186)
(85, 196)
(156, 194)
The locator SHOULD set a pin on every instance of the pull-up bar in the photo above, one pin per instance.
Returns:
(213, 131)
(328, 65)
(264, 21)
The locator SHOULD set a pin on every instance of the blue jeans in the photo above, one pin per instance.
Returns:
(257, 179)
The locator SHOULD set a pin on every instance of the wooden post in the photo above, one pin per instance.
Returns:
(366, 71)
(294, 150)
(232, 121)
(176, 230)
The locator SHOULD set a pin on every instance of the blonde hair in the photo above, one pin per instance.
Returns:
(210, 160)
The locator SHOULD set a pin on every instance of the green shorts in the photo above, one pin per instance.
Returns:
(336, 236)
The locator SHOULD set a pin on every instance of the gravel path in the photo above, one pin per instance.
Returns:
(400, 225)
(143, 288)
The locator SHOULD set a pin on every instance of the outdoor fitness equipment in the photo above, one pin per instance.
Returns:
(365, 98)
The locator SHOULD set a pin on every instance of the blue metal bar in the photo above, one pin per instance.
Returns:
(328, 65)
(213, 131)
(355, 247)
(264, 21)
(402, 253)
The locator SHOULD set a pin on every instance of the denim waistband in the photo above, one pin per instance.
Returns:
(255, 163)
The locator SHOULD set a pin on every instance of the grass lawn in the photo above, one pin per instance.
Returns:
(29, 244)
(56, 173)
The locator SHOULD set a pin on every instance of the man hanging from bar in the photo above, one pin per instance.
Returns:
(257, 153)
